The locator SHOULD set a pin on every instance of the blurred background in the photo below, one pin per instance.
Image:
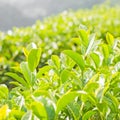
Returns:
(22, 13)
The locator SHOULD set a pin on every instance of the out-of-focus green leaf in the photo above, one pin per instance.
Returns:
(43, 70)
(34, 58)
(3, 91)
(31, 46)
(56, 61)
(84, 37)
(67, 98)
(96, 59)
(88, 114)
(17, 78)
(105, 51)
(75, 57)
(25, 71)
(39, 110)
(64, 75)
(27, 116)
(91, 86)
(3, 112)
(50, 107)
(91, 42)
(110, 39)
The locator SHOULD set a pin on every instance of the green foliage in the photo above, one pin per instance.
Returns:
(76, 57)
(55, 34)
(79, 81)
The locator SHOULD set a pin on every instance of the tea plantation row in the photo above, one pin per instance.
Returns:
(64, 68)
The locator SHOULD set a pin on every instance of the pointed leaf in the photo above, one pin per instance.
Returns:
(3, 112)
(27, 116)
(96, 59)
(64, 75)
(3, 91)
(26, 72)
(88, 114)
(84, 36)
(34, 58)
(43, 70)
(91, 42)
(17, 78)
(39, 110)
(75, 57)
(56, 60)
(110, 39)
(66, 99)
(105, 51)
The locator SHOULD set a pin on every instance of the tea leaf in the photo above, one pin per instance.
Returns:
(34, 58)
(66, 99)
(27, 116)
(75, 57)
(3, 112)
(39, 110)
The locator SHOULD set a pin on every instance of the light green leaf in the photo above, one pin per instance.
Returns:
(31, 46)
(17, 78)
(75, 57)
(17, 84)
(39, 110)
(3, 112)
(67, 98)
(56, 61)
(27, 116)
(3, 91)
(16, 113)
(84, 37)
(88, 114)
(74, 109)
(105, 51)
(26, 72)
(91, 86)
(102, 108)
(91, 42)
(64, 75)
(50, 107)
(110, 39)
(38, 93)
(34, 58)
(115, 102)
(96, 59)
(43, 70)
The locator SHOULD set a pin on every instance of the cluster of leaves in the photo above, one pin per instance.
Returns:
(54, 34)
(83, 85)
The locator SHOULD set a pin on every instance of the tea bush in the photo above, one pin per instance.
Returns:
(71, 68)
(74, 86)
(55, 34)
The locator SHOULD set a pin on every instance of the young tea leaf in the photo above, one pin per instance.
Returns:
(26, 72)
(43, 70)
(27, 116)
(39, 110)
(88, 114)
(75, 57)
(3, 91)
(84, 37)
(17, 78)
(3, 112)
(110, 39)
(34, 58)
(56, 61)
(64, 75)
(67, 98)
(96, 59)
